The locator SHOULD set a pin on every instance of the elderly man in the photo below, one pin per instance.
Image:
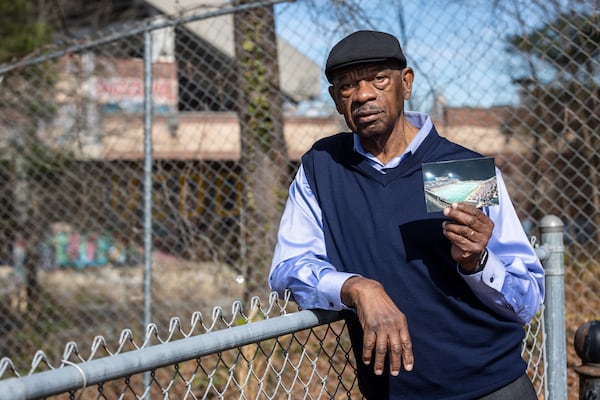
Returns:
(442, 294)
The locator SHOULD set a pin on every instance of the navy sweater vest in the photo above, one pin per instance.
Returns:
(377, 225)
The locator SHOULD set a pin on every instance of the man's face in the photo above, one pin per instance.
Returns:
(371, 97)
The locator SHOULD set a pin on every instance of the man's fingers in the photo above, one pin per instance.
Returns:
(380, 352)
(398, 348)
(407, 355)
(396, 357)
(401, 355)
(369, 340)
(378, 345)
(474, 211)
(464, 214)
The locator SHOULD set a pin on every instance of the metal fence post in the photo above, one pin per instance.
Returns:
(148, 113)
(551, 235)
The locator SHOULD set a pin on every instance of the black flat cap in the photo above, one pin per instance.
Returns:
(363, 47)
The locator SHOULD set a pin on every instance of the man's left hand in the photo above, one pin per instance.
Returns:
(469, 231)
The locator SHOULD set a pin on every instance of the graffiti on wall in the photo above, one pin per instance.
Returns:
(69, 248)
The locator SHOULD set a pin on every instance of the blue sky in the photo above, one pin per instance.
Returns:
(457, 48)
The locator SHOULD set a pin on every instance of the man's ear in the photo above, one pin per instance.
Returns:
(408, 76)
(339, 109)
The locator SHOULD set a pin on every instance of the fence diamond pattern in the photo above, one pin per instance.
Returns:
(231, 114)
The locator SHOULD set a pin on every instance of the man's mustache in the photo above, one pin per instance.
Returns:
(365, 110)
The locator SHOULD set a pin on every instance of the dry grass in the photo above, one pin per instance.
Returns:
(78, 305)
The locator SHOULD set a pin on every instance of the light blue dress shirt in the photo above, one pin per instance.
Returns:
(512, 282)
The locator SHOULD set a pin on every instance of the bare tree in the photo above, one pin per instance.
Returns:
(561, 111)
(264, 160)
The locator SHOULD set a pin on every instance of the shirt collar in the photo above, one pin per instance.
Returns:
(419, 120)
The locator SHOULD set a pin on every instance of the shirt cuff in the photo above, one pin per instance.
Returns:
(493, 274)
(330, 286)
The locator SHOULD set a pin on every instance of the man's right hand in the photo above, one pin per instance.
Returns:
(384, 325)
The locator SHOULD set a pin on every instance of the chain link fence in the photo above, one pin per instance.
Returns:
(238, 94)
(259, 352)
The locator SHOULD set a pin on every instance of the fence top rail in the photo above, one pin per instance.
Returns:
(78, 376)
(140, 28)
